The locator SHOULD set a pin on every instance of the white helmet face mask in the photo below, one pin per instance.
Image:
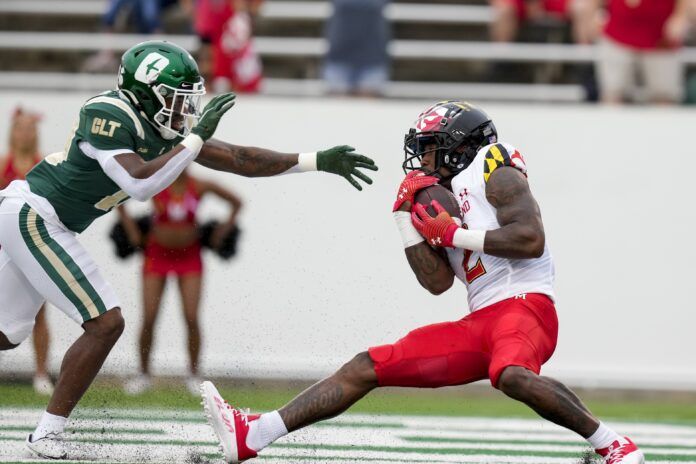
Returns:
(181, 109)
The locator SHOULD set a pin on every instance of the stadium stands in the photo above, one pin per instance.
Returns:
(438, 49)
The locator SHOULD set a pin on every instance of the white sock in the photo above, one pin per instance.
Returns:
(603, 437)
(265, 430)
(49, 424)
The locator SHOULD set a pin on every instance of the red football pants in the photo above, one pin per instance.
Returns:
(520, 331)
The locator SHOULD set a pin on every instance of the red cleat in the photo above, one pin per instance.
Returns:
(622, 451)
(230, 425)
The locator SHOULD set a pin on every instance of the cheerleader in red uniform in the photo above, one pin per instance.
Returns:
(23, 155)
(227, 55)
(172, 246)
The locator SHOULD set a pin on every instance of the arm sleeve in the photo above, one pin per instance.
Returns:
(502, 154)
(144, 189)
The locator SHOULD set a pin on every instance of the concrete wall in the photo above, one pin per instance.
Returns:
(321, 274)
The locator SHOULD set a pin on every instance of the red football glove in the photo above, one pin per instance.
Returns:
(412, 183)
(437, 231)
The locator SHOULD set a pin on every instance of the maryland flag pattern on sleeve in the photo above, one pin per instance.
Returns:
(502, 154)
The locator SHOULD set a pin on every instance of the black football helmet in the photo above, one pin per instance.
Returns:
(458, 129)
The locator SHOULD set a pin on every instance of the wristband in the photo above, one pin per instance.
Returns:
(409, 234)
(307, 161)
(193, 142)
(469, 239)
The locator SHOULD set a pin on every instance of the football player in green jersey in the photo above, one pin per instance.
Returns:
(130, 142)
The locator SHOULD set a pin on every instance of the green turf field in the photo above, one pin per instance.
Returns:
(455, 402)
(391, 426)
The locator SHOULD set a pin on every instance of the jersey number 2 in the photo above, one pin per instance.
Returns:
(475, 272)
(472, 273)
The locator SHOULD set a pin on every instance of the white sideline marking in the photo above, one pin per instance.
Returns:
(177, 436)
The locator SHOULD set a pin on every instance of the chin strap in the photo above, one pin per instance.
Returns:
(134, 101)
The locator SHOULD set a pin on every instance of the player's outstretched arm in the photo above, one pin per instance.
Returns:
(260, 162)
(521, 232)
(245, 161)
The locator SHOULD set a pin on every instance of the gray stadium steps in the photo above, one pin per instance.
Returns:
(313, 47)
(304, 10)
(432, 50)
(316, 88)
(84, 41)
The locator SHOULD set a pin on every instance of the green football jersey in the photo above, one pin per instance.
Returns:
(75, 184)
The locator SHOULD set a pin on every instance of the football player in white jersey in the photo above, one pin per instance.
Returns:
(499, 253)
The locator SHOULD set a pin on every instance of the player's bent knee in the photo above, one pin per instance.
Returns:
(360, 370)
(5, 344)
(108, 326)
(514, 380)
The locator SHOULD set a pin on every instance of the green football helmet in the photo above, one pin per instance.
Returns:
(162, 80)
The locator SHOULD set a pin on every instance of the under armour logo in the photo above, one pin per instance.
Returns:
(228, 424)
(436, 241)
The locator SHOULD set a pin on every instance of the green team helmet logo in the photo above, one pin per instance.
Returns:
(162, 80)
(151, 67)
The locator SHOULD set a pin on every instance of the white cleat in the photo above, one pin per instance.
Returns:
(230, 425)
(220, 419)
(622, 451)
(52, 446)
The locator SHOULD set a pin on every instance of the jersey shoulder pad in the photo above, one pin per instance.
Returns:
(502, 154)
(108, 123)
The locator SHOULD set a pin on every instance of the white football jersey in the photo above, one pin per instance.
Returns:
(490, 279)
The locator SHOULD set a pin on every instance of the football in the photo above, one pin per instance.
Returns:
(443, 196)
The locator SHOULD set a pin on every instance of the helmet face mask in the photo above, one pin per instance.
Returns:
(162, 80)
(454, 131)
(180, 111)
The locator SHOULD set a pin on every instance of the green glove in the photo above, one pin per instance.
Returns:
(212, 113)
(340, 160)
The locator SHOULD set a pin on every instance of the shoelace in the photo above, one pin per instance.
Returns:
(240, 412)
(243, 416)
(617, 453)
(53, 436)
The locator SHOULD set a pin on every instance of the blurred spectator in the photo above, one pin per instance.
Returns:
(23, 154)
(173, 246)
(510, 14)
(357, 62)
(143, 16)
(644, 36)
(227, 57)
